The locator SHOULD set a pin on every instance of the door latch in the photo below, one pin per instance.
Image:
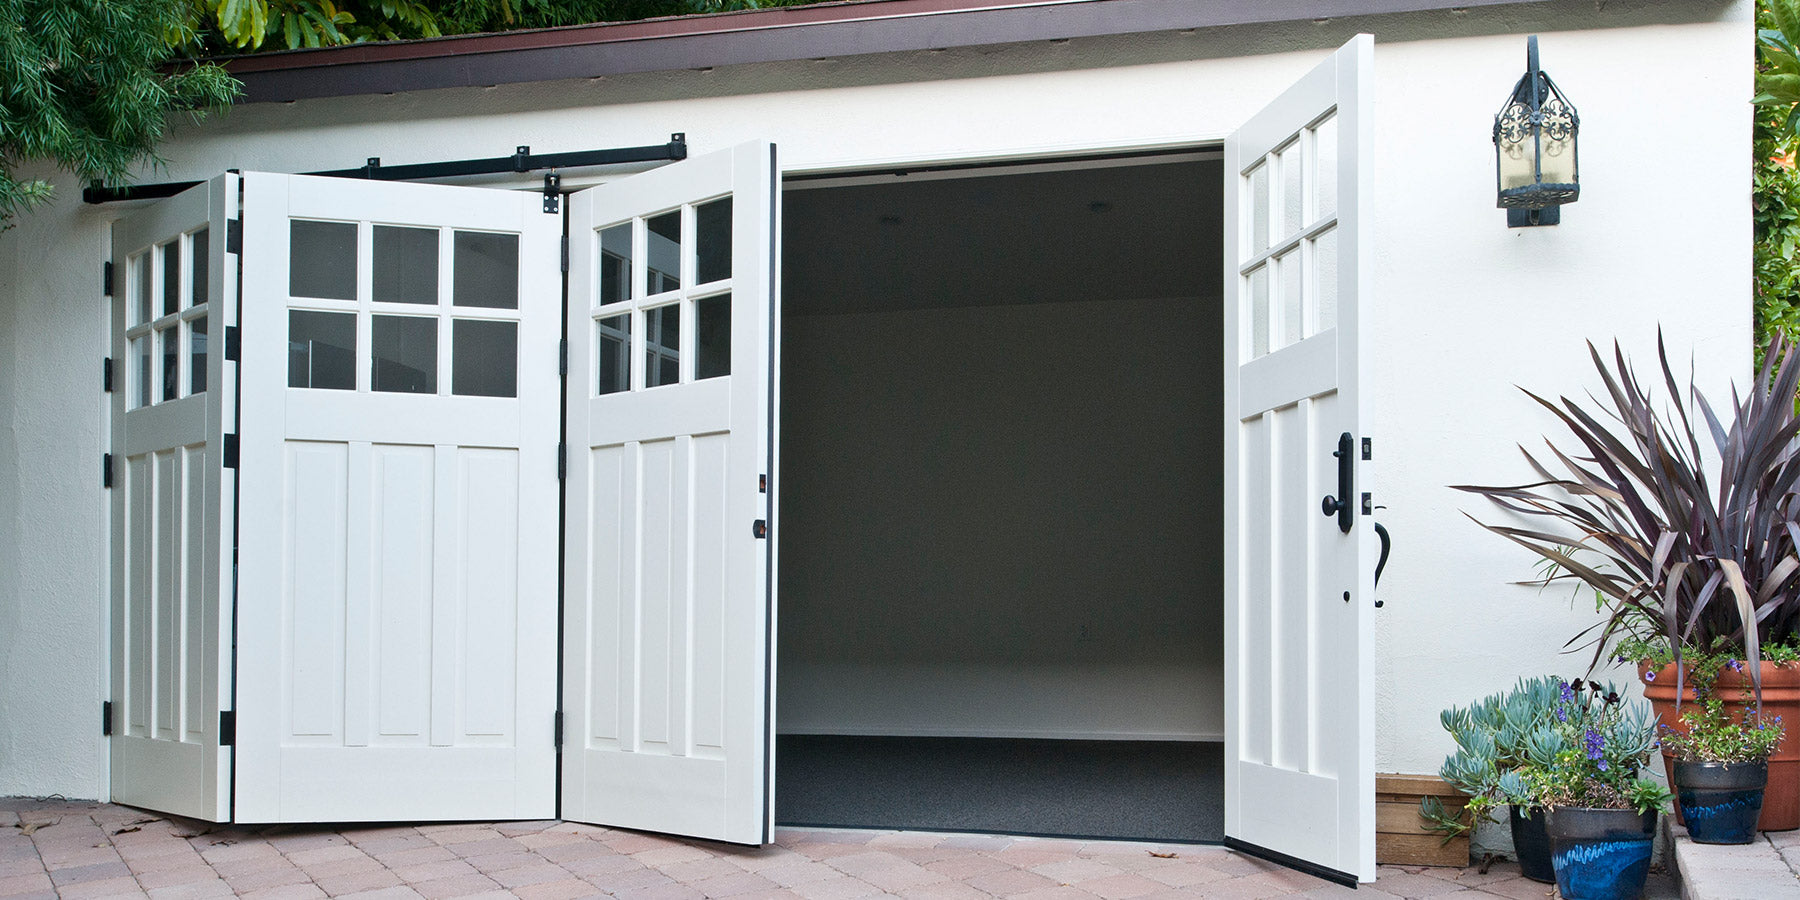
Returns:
(1344, 509)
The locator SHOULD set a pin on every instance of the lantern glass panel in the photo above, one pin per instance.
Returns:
(1557, 137)
(1517, 144)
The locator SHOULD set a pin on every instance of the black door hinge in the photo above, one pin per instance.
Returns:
(556, 730)
(231, 343)
(106, 277)
(1368, 448)
(106, 718)
(562, 358)
(228, 449)
(106, 374)
(227, 727)
(565, 254)
(234, 236)
(106, 467)
(562, 461)
(552, 192)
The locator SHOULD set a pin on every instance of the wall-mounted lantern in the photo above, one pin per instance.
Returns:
(1534, 148)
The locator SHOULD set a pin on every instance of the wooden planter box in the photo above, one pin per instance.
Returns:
(1400, 835)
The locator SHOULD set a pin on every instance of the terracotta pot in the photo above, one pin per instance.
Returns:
(1781, 697)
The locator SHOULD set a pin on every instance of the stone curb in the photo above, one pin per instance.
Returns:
(1754, 871)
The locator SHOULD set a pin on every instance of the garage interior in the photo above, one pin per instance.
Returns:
(999, 586)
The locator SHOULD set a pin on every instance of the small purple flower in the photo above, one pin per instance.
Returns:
(1735, 666)
(1596, 745)
(1649, 676)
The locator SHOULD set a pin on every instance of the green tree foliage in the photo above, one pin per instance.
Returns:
(226, 26)
(84, 84)
(1776, 185)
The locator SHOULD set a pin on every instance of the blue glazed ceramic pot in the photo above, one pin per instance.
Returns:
(1531, 845)
(1721, 801)
(1600, 854)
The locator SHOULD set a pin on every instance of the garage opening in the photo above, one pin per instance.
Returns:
(1000, 590)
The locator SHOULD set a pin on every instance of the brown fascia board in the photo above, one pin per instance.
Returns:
(754, 36)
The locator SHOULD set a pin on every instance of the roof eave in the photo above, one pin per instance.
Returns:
(756, 36)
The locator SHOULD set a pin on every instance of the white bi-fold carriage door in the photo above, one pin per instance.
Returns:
(669, 569)
(397, 549)
(1299, 584)
(172, 405)
(394, 462)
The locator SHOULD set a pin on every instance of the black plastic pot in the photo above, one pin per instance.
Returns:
(1600, 854)
(1531, 845)
(1721, 801)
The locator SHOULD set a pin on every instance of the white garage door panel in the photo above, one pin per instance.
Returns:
(668, 613)
(171, 501)
(1299, 589)
(399, 654)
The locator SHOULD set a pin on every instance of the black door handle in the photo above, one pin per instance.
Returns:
(1387, 543)
(1345, 508)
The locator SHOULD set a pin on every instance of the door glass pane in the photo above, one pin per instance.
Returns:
(1288, 268)
(712, 241)
(615, 264)
(171, 277)
(1325, 274)
(662, 345)
(199, 252)
(1259, 312)
(484, 358)
(712, 337)
(487, 270)
(664, 272)
(140, 288)
(197, 356)
(170, 339)
(1259, 209)
(405, 354)
(140, 371)
(613, 338)
(322, 259)
(406, 265)
(321, 350)
(1293, 195)
(1325, 155)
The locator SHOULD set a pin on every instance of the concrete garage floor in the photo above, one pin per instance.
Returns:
(75, 849)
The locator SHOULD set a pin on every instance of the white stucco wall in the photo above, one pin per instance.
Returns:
(1463, 308)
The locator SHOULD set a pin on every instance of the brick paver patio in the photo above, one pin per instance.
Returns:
(76, 849)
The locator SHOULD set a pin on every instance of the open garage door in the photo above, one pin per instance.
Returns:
(172, 405)
(397, 573)
(1299, 586)
(669, 567)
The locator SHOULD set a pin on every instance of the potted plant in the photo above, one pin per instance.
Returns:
(1720, 764)
(1681, 554)
(1494, 739)
(1600, 808)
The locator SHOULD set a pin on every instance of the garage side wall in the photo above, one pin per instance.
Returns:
(1464, 308)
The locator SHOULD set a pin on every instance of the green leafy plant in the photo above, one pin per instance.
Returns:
(1496, 738)
(1710, 734)
(1603, 744)
(88, 86)
(1672, 549)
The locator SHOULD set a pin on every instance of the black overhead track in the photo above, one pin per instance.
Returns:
(522, 160)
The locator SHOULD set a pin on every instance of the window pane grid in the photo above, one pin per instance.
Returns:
(651, 327)
(402, 306)
(1289, 272)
